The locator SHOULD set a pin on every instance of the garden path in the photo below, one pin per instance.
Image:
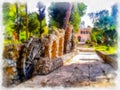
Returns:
(85, 68)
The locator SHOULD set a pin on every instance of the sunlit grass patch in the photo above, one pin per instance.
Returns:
(106, 49)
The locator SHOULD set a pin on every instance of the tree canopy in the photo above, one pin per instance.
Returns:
(19, 22)
(58, 12)
(107, 24)
(78, 10)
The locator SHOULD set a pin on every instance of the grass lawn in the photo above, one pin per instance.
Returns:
(106, 49)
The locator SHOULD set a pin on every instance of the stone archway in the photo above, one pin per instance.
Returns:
(54, 50)
(60, 51)
(79, 38)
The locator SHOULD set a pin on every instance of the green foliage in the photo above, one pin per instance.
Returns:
(81, 8)
(96, 35)
(76, 41)
(52, 22)
(105, 26)
(52, 29)
(57, 12)
(22, 36)
(41, 16)
(87, 41)
(109, 29)
(46, 31)
(78, 10)
(106, 49)
(75, 18)
(9, 12)
(16, 18)
(13, 18)
(33, 23)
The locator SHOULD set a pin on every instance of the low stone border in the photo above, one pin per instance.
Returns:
(108, 59)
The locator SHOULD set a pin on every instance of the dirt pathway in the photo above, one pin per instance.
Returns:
(84, 69)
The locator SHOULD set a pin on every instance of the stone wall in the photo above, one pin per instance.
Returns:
(10, 74)
(46, 65)
(108, 59)
(43, 54)
(54, 44)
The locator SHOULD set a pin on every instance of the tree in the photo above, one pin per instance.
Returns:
(81, 8)
(114, 12)
(41, 15)
(14, 19)
(20, 21)
(68, 14)
(96, 15)
(97, 35)
(26, 9)
(63, 13)
(75, 18)
(57, 13)
(107, 24)
(78, 10)
(33, 23)
(9, 16)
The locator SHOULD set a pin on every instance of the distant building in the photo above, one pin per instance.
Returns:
(83, 34)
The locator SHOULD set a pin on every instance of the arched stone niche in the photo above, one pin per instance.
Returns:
(54, 50)
(47, 48)
(60, 48)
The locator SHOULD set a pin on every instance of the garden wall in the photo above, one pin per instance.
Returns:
(54, 44)
(108, 59)
(52, 47)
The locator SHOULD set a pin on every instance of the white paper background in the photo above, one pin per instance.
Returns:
(96, 5)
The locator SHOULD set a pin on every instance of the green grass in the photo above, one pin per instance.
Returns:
(106, 49)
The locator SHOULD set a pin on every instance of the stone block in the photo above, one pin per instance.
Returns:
(46, 65)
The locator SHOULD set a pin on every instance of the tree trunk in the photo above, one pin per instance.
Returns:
(26, 21)
(67, 17)
(17, 14)
(40, 30)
